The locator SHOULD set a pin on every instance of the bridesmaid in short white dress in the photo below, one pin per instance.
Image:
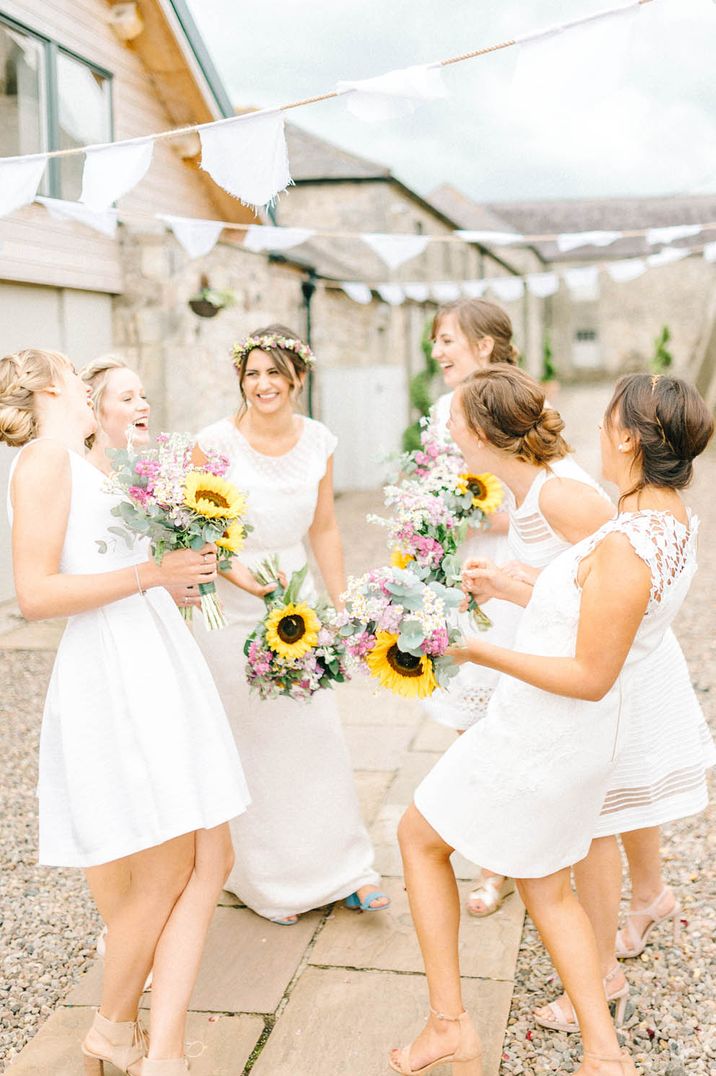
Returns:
(303, 844)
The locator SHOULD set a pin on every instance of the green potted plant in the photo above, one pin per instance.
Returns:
(662, 359)
(208, 301)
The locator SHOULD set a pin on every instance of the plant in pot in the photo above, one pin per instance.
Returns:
(548, 377)
(662, 359)
(208, 301)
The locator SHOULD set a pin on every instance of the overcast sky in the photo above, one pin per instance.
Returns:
(653, 133)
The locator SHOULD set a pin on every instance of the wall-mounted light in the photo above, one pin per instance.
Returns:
(126, 21)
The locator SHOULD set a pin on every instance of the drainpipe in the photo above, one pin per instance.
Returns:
(308, 288)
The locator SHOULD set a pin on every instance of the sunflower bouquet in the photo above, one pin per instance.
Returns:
(295, 650)
(177, 505)
(397, 628)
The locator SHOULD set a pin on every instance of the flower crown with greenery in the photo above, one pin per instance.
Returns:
(270, 341)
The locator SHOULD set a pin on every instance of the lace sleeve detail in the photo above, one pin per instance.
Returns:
(324, 441)
(215, 438)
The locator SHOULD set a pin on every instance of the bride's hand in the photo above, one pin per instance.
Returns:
(483, 580)
(244, 578)
(459, 654)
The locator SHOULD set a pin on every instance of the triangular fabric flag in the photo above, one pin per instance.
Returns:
(583, 281)
(572, 240)
(267, 237)
(394, 94)
(103, 220)
(507, 288)
(474, 289)
(628, 269)
(495, 239)
(197, 237)
(111, 171)
(543, 284)
(667, 256)
(395, 250)
(419, 293)
(670, 235)
(19, 179)
(248, 156)
(445, 291)
(710, 252)
(359, 293)
(391, 293)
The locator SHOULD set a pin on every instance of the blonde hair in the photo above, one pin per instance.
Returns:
(506, 406)
(96, 375)
(22, 375)
(477, 319)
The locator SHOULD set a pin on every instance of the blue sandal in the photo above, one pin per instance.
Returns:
(357, 905)
(290, 921)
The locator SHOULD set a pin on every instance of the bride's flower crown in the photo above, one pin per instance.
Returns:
(269, 341)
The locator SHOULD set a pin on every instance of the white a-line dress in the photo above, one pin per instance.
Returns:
(521, 791)
(465, 700)
(135, 746)
(303, 843)
(661, 773)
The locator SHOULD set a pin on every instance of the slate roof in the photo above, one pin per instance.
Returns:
(313, 158)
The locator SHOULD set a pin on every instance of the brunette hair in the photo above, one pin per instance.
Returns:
(670, 423)
(22, 375)
(288, 363)
(477, 319)
(506, 406)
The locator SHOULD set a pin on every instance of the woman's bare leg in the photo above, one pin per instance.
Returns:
(109, 886)
(643, 851)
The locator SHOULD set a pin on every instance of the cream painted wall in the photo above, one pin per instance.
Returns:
(78, 323)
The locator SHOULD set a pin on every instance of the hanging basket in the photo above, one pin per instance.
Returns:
(203, 308)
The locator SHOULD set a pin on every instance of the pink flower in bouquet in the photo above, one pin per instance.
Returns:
(436, 643)
(140, 495)
(217, 464)
(360, 645)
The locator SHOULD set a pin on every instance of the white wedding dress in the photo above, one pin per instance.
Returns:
(303, 843)
(135, 747)
(522, 791)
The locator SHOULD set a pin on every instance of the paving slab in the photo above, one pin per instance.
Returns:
(247, 966)
(387, 941)
(371, 787)
(42, 635)
(416, 765)
(219, 1045)
(343, 1023)
(377, 747)
(433, 737)
(361, 702)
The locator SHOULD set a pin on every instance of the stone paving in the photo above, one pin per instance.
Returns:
(328, 996)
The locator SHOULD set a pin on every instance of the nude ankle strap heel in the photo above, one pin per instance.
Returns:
(466, 1059)
(123, 1043)
(626, 1062)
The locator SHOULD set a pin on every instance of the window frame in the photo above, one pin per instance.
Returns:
(50, 94)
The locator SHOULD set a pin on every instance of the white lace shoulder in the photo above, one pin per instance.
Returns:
(218, 437)
(320, 438)
(667, 547)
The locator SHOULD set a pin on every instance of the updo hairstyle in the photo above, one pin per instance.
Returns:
(477, 319)
(506, 406)
(22, 375)
(671, 425)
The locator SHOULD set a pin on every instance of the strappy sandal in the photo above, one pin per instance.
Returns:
(466, 1058)
(492, 893)
(623, 1059)
(356, 904)
(631, 943)
(559, 1016)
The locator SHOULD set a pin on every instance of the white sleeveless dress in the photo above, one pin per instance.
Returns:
(303, 843)
(465, 700)
(135, 747)
(522, 791)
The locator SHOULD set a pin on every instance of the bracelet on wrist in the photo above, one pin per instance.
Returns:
(140, 588)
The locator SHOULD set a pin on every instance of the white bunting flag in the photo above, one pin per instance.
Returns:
(248, 157)
(111, 171)
(445, 291)
(395, 250)
(196, 237)
(670, 235)
(628, 269)
(359, 293)
(507, 288)
(261, 237)
(19, 179)
(103, 221)
(419, 293)
(583, 282)
(474, 289)
(391, 293)
(542, 284)
(395, 94)
(667, 256)
(490, 239)
(710, 252)
(572, 240)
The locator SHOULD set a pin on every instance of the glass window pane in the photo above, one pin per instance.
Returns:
(83, 110)
(22, 119)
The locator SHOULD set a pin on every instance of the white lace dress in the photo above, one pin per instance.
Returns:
(135, 747)
(303, 843)
(465, 700)
(522, 791)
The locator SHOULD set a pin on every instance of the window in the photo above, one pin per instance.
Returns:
(50, 99)
(584, 336)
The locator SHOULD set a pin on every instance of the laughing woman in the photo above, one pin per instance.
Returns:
(304, 844)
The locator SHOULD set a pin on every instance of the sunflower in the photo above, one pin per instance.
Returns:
(232, 539)
(292, 630)
(486, 490)
(401, 673)
(399, 559)
(213, 497)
